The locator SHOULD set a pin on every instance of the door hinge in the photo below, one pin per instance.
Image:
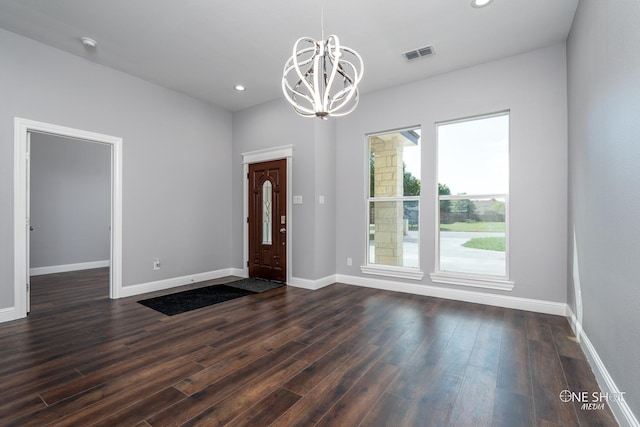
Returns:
(247, 220)
(247, 263)
(247, 175)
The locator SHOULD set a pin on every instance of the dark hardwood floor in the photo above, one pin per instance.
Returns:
(342, 356)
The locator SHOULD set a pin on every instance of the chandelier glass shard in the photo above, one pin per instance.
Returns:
(321, 78)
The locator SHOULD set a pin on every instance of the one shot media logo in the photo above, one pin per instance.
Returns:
(591, 400)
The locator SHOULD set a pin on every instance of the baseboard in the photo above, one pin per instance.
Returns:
(38, 271)
(159, 285)
(313, 285)
(8, 314)
(620, 409)
(240, 272)
(506, 301)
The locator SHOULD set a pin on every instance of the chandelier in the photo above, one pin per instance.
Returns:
(321, 78)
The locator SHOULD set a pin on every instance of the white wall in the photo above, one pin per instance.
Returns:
(325, 187)
(533, 87)
(181, 192)
(604, 185)
(176, 170)
(275, 124)
(70, 201)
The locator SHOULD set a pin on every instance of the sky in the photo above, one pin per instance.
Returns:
(473, 156)
(411, 157)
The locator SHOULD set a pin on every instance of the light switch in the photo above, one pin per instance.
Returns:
(297, 200)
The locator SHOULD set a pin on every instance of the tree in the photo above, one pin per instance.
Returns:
(445, 205)
(411, 184)
(372, 174)
(410, 187)
(498, 207)
(464, 208)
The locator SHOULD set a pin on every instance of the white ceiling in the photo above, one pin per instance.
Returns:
(204, 47)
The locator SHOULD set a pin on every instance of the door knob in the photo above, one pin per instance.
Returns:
(31, 228)
(283, 230)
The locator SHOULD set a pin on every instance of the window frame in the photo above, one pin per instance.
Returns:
(464, 278)
(403, 272)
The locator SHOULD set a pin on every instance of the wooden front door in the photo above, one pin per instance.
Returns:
(268, 220)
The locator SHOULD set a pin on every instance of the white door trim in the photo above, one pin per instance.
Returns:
(258, 156)
(22, 127)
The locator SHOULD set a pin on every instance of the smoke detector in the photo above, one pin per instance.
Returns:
(89, 42)
(421, 52)
(480, 3)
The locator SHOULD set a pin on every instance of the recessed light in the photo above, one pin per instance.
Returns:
(480, 3)
(89, 42)
(240, 88)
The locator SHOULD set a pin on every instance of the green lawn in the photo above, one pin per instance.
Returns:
(486, 243)
(474, 226)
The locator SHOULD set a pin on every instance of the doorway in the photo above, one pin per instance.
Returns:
(285, 154)
(268, 220)
(22, 225)
(69, 211)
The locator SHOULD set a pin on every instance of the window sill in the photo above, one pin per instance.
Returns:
(398, 272)
(473, 281)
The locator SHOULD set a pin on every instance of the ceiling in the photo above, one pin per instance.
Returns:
(203, 48)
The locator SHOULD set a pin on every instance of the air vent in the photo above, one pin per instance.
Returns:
(418, 53)
(411, 55)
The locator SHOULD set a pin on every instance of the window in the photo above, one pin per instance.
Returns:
(473, 197)
(266, 213)
(394, 201)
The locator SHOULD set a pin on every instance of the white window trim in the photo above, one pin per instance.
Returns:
(468, 279)
(390, 271)
(473, 280)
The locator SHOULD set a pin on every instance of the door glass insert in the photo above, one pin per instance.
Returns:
(267, 213)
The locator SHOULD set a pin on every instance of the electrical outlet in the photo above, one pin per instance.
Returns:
(349, 262)
(156, 264)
